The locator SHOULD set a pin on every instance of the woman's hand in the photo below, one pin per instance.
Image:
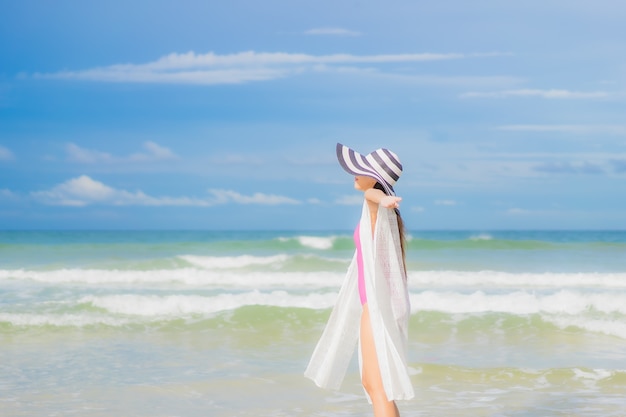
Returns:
(390, 201)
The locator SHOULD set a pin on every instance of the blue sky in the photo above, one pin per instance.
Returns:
(224, 115)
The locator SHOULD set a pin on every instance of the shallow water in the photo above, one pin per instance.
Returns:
(197, 324)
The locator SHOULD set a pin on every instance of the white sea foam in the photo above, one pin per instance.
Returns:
(125, 309)
(69, 320)
(591, 301)
(243, 261)
(316, 242)
(455, 279)
(611, 327)
(191, 277)
(248, 279)
(593, 312)
(520, 302)
(230, 262)
(184, 305)
(481, 236)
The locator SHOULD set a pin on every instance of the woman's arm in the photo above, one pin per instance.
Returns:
(378, 197)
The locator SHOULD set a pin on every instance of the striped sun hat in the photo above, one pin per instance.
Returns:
(382, 164)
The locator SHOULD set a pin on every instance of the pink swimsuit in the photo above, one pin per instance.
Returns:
(359, 264)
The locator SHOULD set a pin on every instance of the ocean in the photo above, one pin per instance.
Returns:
(202, 323)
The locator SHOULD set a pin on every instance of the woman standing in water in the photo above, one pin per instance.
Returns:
(373, 304)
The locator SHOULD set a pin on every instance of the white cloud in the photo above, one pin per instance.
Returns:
(430, 80)
(577, 129)
(86, 156)
(83, 191)
(517, 211)
(350, 200)
(619, 165)
(445, 203)
(418, 209)
(228, 196)
(332, 32)
(79, 191)
(546, 212)
(143, 75)
(153, 152)
(210, 68)
(5, 154)
(547, 94)
(236, 159)
(6, 194)
(577, 167)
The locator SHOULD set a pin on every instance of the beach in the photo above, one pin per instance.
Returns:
(201, 323)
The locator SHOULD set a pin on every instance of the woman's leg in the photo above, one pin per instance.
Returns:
(372, 381)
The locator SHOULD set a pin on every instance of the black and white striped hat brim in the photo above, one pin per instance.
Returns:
(382, 164)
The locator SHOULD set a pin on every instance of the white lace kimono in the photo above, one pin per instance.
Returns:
(388, 303)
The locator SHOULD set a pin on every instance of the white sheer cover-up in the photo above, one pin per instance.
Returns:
(388, 304)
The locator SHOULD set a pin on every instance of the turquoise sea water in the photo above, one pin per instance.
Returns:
(181, 323)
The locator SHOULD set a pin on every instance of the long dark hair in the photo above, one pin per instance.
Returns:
(401, 230)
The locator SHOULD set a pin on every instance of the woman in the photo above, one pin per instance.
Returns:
(373, 305)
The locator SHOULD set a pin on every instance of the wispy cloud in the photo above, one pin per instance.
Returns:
(152, 152)
(210, 68)
(459, 81)
(554, 213)
(516, 211)
(332, 32)
(5, 154)
(570, 168)
(83, 191)
(575, 129)
(619, 165)
(545, 94)
(446, 203)
(350, 200)
(86, 156)
(229, 196)
(6, 194)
